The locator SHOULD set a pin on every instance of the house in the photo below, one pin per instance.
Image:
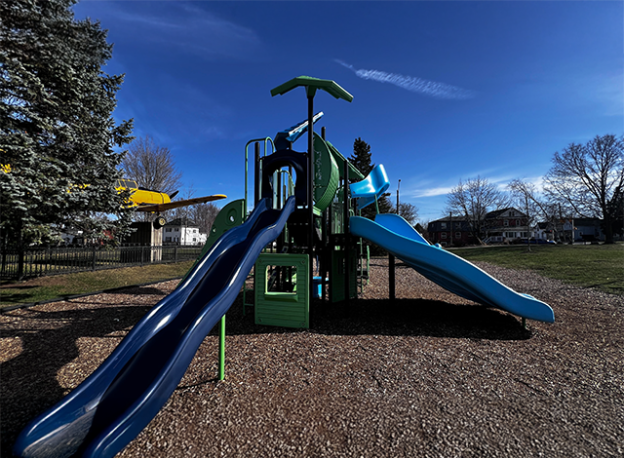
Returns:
(588, 230)
(507, 224)
(451, 231)
(544, 231)
(183, 231)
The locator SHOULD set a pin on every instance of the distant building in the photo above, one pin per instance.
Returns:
(451, 231)
(588, 230)
(184, 232)
(505, 225)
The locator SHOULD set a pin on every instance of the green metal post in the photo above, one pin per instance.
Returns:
(310, 94)
(345, 229)
(222, 348)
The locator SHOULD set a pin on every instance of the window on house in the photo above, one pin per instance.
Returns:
(443, 235)
(177, 229)
(168, 229)
(443, 225)
(195, 240)
(506, 222)
(458, 235)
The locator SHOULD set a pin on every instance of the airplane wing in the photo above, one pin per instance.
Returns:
(179, 203)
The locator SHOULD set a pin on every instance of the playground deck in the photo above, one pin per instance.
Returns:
(431, 375)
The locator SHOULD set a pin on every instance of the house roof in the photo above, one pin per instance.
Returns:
(497, 213)
(186, 222)
(456, 219)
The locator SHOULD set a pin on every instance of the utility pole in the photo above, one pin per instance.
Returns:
(526, 203)
(398, 208)
(450, 228)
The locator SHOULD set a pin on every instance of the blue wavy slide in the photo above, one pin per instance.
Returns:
(101, 416)
(453, 273)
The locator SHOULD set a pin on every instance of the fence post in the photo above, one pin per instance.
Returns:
(93, 259)
(142, 254)
(175, 254)
(48, 262)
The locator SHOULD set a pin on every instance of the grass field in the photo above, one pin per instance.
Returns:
(592, 266)
(47, 288)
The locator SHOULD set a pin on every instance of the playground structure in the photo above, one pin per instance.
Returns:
(305, 207)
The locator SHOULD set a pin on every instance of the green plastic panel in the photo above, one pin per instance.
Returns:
(326, 174)
(230, 216)
(339, 273)
(354, 173)
(287, 309)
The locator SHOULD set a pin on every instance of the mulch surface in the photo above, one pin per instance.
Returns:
(428, 375)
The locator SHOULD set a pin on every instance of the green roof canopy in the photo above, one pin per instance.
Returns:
(311, 85)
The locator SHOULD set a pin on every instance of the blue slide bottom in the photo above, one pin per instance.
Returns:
(111, 407)
(453, 273)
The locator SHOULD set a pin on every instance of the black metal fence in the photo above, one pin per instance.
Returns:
(53, 261)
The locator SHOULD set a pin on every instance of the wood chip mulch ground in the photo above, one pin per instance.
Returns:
(430, 375)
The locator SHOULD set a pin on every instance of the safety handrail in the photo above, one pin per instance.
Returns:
(255, 140)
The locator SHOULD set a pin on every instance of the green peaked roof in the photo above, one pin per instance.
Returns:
(311, 85)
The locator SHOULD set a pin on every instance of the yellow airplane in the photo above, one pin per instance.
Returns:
(147, 200)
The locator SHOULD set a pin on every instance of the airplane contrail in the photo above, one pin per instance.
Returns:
(412, 83)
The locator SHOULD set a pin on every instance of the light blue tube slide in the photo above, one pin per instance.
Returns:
(453, 273)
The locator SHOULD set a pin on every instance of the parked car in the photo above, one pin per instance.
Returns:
(541, 241)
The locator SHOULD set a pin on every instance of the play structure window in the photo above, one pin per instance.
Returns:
(281, 279)
(282, 182)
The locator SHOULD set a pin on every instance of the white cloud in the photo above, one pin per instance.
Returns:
(193, 29)
(413, 83)
(430, 192)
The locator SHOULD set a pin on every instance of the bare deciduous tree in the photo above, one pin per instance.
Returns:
(473, 199)
(201, 214)
(537, 207)
(152, 167)
(204, 215)
(585, 177)
(408, 211)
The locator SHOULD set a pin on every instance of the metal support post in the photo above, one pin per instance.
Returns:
(222, 348)
(311, 191)
(257, 174)
(391, 277)
(345, 230)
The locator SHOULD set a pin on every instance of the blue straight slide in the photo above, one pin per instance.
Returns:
(453, 273)
(102, 415)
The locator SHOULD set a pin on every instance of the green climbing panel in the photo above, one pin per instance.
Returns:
(282, 294)
(339, 273)
(230, 216)
(326, 174)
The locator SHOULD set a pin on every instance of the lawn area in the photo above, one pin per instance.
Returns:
(593, 266)
(52, 287)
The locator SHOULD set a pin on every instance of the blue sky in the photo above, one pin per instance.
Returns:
(442, 91)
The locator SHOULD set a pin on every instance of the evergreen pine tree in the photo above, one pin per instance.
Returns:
(57, 135)
(361, 159)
